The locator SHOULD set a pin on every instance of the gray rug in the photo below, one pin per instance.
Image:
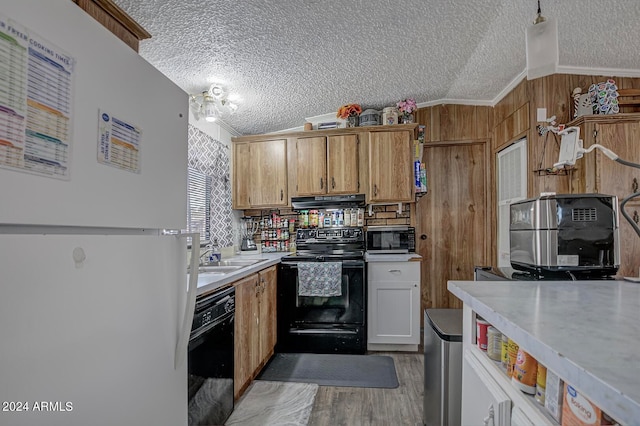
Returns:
(365, 371)
(274, 403)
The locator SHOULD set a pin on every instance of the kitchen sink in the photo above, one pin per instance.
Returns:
(234, 262)
(218, 269)
(228, 265)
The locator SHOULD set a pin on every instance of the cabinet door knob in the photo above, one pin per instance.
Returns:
(394, 271)
(423, 237)
(375, 189)
(488, 421)
(281, 195)
(333, 183)
(321, 183)
(634, 185)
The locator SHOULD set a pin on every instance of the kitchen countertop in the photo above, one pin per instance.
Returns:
(588, 332)
(208, 282)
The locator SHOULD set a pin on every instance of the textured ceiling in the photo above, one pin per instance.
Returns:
(288, 60)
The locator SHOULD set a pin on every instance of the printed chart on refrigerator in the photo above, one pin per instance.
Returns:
(36, 81)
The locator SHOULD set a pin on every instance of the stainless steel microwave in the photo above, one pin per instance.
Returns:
(390, 239)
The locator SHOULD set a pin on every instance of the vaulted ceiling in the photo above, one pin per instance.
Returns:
(290, 60)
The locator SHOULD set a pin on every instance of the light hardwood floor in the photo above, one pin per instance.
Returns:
(372, 406)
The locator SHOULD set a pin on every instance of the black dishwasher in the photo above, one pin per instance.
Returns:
(211, 359)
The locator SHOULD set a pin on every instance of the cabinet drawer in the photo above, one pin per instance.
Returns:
(394, 271)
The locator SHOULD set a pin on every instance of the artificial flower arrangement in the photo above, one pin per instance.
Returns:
(348, 110)
(407, 106)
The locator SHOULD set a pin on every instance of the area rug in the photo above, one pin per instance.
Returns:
(274, 403)
(366, 371)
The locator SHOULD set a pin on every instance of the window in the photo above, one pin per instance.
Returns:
(199, 204)
(209, 192)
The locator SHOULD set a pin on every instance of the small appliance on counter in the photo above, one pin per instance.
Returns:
(248, 229)
(575, 234)
(390, 239)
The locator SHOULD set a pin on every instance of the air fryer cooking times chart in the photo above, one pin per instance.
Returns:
(36, 81)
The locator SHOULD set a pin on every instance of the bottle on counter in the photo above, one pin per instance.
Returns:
(321, 219)
(354, 217)
(313, 218)
(360, 217)
(347, 217)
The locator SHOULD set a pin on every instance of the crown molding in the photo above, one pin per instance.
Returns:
(612, 72)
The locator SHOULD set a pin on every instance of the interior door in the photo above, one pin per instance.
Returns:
(453, 219)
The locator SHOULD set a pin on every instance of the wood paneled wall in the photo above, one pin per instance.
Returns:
(515, 116)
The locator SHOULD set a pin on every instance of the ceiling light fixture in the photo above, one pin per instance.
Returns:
(542, 46)
(211, 104)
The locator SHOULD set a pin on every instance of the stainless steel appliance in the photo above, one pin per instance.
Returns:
(211, 359)
(391, 239)
(324, 324)
(442, 366)
(575, 233)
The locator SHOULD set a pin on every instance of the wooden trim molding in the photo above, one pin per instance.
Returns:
(115, 20)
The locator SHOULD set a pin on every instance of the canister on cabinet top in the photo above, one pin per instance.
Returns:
(390, 115)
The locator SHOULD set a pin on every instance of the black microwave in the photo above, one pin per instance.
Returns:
(391, 239)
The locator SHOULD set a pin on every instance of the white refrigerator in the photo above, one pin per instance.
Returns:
(95, 307)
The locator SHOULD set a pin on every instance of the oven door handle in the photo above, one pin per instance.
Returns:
(184, 329)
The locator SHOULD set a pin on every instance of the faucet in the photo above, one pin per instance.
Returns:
(215, 253)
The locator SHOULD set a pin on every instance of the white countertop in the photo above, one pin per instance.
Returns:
(208, 282)
(588, 332)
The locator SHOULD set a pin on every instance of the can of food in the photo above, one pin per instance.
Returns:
(525, 372)
(541, 383)
(504, 353)
(494, 343)
(481, 332)
(512, 356)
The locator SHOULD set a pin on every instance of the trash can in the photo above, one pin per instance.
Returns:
(442, 367)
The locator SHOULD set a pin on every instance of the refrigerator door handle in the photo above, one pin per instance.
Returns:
(184, 330)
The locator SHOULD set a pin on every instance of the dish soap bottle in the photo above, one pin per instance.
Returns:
(215, 255)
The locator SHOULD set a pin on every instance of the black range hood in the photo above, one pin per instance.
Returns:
(328, 202)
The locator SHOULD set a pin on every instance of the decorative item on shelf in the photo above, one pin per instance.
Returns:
(604, 97)
(406, 109)
(581, 103)
(211, 104)
(390, 116)
(351, 113)
(370, 117)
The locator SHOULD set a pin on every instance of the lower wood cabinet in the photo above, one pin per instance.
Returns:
(255, 326)
(393, 316)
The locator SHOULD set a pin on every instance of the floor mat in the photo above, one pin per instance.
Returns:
(274, 403)
(366, 371)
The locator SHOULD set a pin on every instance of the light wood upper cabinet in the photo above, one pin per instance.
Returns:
(327, 165)
(390, 167)
(596, 173)
(260, 174)
(342, 164)
(311, 165)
